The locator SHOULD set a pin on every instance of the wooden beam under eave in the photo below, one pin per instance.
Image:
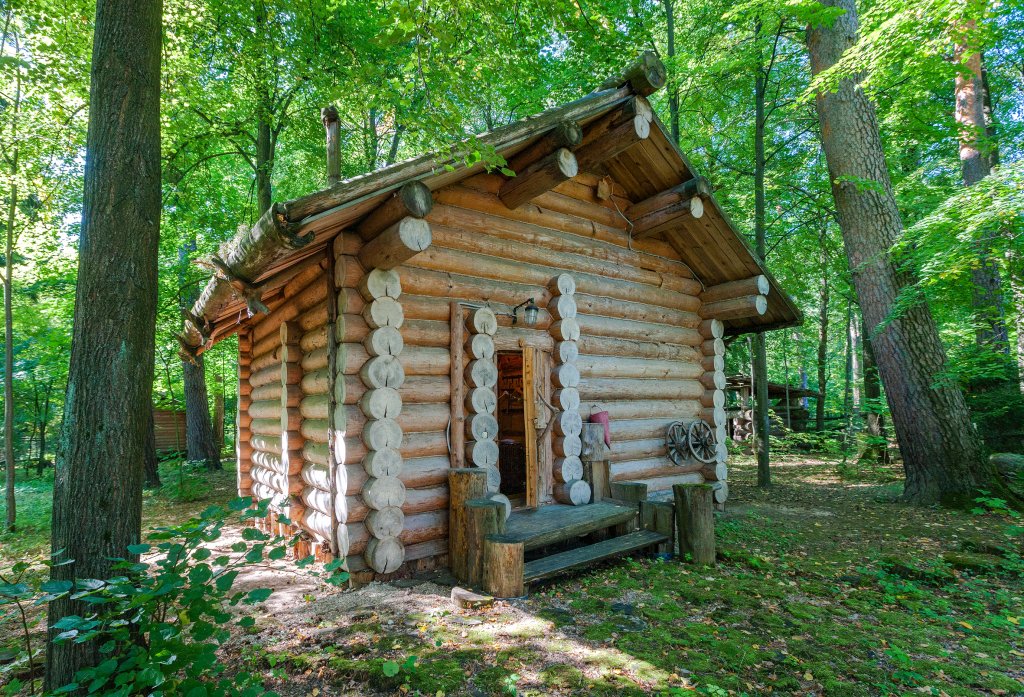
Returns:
(411, 200)
(540, 177)
(668, 208)
(542, 165)
(741, 307)
(613, 135)
(396, 245)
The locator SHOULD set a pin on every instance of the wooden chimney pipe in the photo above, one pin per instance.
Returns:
(329, 116)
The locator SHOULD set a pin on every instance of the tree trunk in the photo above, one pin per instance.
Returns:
(9, 360)
(97, 497)
(856, 363)
(264, 161)
(942, 454)
(975, 165)
(151, 469)
(9, 309)
(673, 91)
(1014, 264)
(396, 140)
(823, 301)
(763, 428)
(876, 450)
(848, 378)
(200, 440)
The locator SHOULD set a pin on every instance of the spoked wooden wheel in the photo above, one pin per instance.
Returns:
(676, 441)
(702, 441)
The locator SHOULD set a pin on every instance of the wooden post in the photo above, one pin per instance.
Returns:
(595, 460)
(503, 569)
(629, 492)
(695, 521)
(482, 519)
(329, 117)
(463, 485)
(530, 423)
(659, 516)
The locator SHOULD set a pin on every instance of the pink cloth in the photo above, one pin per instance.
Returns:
(603, 417)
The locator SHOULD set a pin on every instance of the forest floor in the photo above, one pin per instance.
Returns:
(827, 585)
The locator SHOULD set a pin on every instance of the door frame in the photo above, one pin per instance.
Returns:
(536, 396)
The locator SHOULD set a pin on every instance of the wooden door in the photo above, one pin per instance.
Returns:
(536, 396)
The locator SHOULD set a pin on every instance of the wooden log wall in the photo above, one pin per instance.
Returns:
(380, 367)
(273, 442)
(713, 401)
(567, 471)
(637, 308)
(392, 386)
(243, 449)
(626, 336)
(292, 440)
(323, 487)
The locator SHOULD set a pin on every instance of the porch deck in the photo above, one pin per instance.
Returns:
(540, 527)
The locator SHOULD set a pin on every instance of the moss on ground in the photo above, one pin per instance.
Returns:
(824, 586)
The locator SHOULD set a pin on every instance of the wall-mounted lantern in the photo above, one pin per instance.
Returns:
(530, 312)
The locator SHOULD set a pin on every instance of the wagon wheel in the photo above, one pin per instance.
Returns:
(702, 441)
(676, 441)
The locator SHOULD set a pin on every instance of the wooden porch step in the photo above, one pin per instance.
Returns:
(562, 562)
(554, 523)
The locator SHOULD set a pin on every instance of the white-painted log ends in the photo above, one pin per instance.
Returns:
(714, 380)
(567, 471)
(381, 405)
(481, 377)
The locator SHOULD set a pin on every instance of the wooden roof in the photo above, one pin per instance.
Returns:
(711, 246)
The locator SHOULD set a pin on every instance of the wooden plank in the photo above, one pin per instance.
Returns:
(545, 456)
(549, 524)
(659, 516)
(530, 425)
(556, 564)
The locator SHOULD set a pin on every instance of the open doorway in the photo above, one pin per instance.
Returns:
(512, 440)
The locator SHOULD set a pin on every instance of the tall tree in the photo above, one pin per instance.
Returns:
(876, 449)
(151, 465)
(762, 76)
(97, 508)
(673, 85)
(976, 164)
(13, 157)
(200, 441)
(943, 458)
(823, 305)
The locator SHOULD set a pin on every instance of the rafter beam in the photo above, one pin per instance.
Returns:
(667, 209)
(614, 134)
(396, 245)
(540, 177)
(542, 165)
(411, 200)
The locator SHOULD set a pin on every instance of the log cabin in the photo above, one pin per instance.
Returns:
(430, 355)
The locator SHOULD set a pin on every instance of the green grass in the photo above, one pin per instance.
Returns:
(185, 492)
(826, 586)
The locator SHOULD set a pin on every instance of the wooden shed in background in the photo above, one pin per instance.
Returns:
(399, 327)
(169, 426)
